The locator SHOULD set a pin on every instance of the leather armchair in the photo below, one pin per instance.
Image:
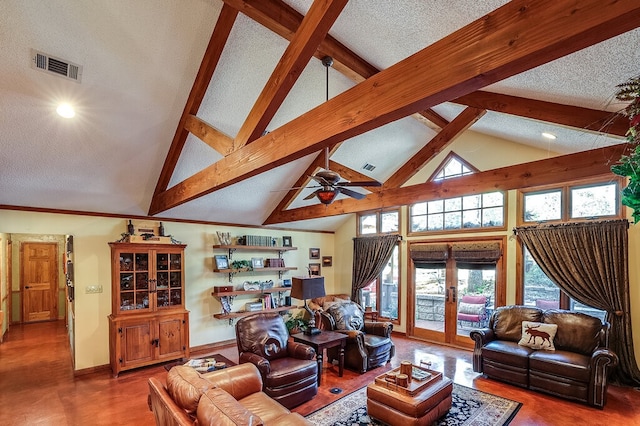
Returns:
(369, 343)
(289, 370)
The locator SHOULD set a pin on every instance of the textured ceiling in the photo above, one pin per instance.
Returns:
(140, 60)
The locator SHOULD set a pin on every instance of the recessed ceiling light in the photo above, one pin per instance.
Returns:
(548, 135)
(66, 111)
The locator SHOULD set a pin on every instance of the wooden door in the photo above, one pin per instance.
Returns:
(170, 336)
(39, 281)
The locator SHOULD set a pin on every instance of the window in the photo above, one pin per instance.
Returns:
(565, 203)
(468, 212)
(381, 222)
(452, 166)
(572, 202)
(382, 293)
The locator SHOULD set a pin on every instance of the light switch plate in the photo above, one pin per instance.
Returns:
(90, 289)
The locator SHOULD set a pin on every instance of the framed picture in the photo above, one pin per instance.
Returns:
(327, 261)
(314, 253)
(286, 241)
(314, 269)
(221, 261)
(257, 263)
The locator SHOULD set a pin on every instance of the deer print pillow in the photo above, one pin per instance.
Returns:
(537, 335)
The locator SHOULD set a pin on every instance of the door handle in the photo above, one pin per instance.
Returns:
(26, 286)
(453, 293)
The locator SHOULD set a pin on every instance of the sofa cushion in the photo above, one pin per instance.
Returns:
(537, 335)
(471, 308)
(577, 332)
(347, 316)
(562, 364)
(186, 386)
(506, 321)
(218, 408)
(508, 353)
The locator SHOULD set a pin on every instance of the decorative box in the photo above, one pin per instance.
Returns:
(222, 288)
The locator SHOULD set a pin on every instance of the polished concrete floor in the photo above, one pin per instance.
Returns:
(38, 386)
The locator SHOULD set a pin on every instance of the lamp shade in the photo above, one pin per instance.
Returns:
(307, 287)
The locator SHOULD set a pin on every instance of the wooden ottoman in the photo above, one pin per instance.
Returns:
(394, 407)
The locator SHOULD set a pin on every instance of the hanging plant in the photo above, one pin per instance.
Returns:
(629, 165)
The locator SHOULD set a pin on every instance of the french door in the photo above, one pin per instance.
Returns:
(454, 289)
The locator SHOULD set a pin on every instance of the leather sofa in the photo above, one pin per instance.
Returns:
(577, 369)
(289, 369)
(369, 343)
(232, 396)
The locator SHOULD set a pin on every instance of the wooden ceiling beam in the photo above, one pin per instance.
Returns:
(351, 175)
(208, 134)
(440, 141)
(536, 173)
(209, 63)
(283, 20)
(310, 33)
(499, 45)
(566, 115)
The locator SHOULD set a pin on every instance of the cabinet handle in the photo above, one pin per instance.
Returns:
(453, 293)
(155, 342)
(153, 283)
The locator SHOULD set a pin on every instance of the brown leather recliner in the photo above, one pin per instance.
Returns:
(289, 370)
(369, 343)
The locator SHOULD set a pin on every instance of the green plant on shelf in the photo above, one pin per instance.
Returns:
(242, 264)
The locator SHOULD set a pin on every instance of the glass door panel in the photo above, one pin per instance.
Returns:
(476, 298)
(430, 285)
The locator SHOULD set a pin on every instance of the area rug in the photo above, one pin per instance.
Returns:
(470, 407)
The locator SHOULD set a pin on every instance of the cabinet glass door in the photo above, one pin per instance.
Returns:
(134, 281)
(169, 280)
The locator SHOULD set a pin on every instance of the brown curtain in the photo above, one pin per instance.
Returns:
(589, 262)
(370, 255)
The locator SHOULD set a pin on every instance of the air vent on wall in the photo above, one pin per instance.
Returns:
(60, 67)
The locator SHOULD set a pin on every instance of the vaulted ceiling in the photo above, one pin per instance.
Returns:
(209, 110)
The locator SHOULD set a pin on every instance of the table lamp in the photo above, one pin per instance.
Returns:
(308, 288)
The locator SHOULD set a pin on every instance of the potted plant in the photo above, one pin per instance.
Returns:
(296, 323)
(629, 165)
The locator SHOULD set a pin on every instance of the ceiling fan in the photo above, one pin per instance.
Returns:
(330, 185)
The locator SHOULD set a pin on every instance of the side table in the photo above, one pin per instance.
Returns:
(371, 315)
(322, 341)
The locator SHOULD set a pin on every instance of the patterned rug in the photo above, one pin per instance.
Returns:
(470, 407)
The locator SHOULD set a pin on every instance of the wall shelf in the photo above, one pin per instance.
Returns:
(226, 300)
(231, 248)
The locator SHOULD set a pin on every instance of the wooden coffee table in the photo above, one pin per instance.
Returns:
(182, 361)
(322, 341)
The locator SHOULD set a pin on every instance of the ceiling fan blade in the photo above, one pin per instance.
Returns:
(310, 196)
(321, 180)
(350, 193)
(360, 183)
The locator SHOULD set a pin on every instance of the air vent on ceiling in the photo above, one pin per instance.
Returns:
(51, 64)
(368, 167)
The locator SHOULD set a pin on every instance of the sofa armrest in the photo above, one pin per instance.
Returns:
(481, 337)
(165, 410)
(218, 408)
(262, 363)
(379, 328)
(239, 380)
(601, 361)
(300, 350)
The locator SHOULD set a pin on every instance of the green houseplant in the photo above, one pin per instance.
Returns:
(296, 323)
(629, 165)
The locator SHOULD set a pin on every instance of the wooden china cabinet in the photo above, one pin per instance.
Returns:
(148, 322)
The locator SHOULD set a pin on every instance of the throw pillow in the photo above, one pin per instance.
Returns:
(537, 335)
(471, 308)
(347, 316)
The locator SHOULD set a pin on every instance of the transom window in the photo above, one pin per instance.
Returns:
(380, 222)
(452, 166)
(468, 212)
(572, 202)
